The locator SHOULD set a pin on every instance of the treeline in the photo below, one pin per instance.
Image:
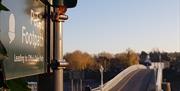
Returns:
(83, 65)
(79, 60)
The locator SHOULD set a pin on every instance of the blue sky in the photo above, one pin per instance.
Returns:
(115, 25)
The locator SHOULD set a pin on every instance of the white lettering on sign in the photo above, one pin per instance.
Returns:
(32, 39)
(32, 59)
(36, 19)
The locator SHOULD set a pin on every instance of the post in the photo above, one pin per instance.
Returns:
(80, 84)
(168, 86)
(72, 85)
(101, 80)
(58, 73)
(58, 16)
(58, 63)
(101, 71)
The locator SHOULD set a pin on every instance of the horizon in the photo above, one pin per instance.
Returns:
(113, 53)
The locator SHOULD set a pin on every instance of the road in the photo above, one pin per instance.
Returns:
(140, 80)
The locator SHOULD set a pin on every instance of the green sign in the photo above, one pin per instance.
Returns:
(22, 37)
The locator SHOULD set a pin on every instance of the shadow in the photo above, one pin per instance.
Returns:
(3, 56)
(3, 52)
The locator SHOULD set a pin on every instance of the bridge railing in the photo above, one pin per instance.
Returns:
(112, 83)
(159, 80)
(160, 66)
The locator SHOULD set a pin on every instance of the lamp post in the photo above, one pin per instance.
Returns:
(101, 71)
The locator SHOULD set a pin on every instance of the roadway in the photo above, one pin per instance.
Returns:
(139, 80)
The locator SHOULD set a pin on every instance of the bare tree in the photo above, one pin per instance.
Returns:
(104, 59)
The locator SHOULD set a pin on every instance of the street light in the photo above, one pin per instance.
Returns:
(101, 71)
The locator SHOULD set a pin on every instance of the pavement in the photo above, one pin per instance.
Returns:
(139, 80)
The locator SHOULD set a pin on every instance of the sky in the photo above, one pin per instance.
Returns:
(96, 26)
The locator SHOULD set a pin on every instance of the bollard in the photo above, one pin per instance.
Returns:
(166, 86)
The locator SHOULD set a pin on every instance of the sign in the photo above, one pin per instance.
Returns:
(22, 35)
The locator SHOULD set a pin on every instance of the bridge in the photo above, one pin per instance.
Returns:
(137, 78)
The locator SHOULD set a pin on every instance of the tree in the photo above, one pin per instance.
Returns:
(104, 59)
(79, 60)
(132, 57)
(155, 56)
(122, 59)
(143, 57)
(165, 56)
(106, 55)
(127, 58)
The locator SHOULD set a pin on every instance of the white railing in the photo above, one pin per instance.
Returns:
(160, 64)
(112, 83)
(159, 76)
(159, 80)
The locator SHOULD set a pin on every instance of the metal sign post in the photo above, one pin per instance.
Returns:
(58, 63)
(58, 17)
